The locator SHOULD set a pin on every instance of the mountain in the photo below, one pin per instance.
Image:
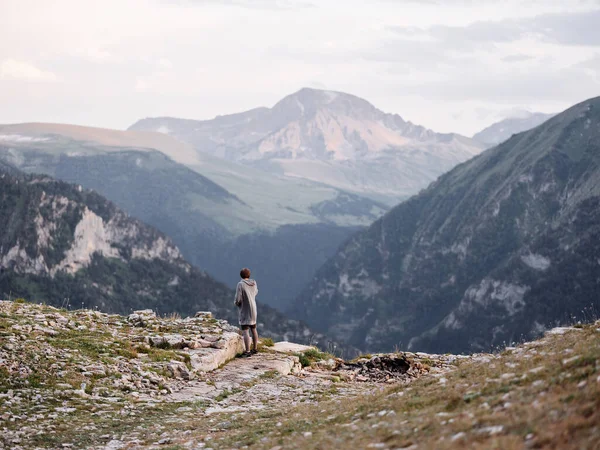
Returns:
(37, 132)
(63, 244)
(497, 249)
(259, 220)
(8, 168)
(329, 137)
(501, 131)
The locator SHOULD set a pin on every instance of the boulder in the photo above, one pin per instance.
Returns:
(142, 318)
(379, 368)
(179, 370)
(290, 347)
(208, 359)
(203, 315)
(169, 341)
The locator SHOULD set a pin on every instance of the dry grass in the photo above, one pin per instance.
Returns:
(551, 400)
(480, 406)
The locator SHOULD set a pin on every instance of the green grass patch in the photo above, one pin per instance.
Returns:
(311, 356)
(164, 345)
(269, 375)
(303, 359)
(267, 342)
(91, 344)
(129, 353)
(34, 381)
(159, 355)
(4, 324)
(225, 394)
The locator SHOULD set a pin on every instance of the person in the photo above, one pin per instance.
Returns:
(245, 300)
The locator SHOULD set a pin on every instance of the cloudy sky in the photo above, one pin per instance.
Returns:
(451, 65)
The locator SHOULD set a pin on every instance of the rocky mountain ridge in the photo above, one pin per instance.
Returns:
(93, 234)
(494, 251)
(330, 137)
(500, 131)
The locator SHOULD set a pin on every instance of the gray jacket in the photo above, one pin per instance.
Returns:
(245, 300)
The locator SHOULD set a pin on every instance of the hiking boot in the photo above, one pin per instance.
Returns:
(246, 355)
(253, 352)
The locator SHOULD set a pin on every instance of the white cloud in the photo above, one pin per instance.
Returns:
(165, 63)
(96, 55)
(438, 63)
(11, 69)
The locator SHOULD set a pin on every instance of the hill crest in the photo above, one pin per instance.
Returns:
(135, 382)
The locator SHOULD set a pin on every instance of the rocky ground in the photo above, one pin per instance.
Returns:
(84, 379)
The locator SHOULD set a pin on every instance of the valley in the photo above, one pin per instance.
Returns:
(283, 215)
(216, 229)
(232, 205)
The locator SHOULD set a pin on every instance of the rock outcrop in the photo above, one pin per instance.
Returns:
(85, 379)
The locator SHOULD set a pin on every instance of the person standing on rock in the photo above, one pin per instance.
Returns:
(245, 300)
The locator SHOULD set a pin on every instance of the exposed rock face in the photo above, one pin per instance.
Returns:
(65, 224)
(290, 347)
(380, 368)
(494, 251)
(330, 137)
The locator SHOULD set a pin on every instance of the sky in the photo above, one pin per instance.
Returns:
(452, 66)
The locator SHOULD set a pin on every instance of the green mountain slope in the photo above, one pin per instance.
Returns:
(493, 251)
(61, 244)
(216, 228)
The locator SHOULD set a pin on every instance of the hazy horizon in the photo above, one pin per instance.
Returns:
(456, 67)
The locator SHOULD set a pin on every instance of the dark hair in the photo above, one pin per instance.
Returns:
(245, 273)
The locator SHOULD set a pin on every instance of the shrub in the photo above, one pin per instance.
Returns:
(128, 352)
(270, 374)
(303, 359)
(164, 345)
(267, 342)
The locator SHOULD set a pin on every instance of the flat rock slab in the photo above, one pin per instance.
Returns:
(263, 362)
(238, 375)
(242, 370)
(290, 347)
(208, 359)
(198, 390)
